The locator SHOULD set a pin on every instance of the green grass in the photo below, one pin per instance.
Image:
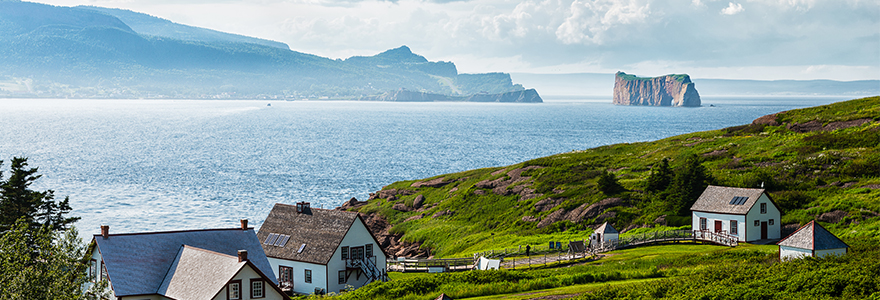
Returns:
(796, 169)
(674, 271)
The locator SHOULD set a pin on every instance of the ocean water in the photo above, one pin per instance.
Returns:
(150, 165)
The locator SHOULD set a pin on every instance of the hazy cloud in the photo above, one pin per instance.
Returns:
(732, 9)
(790, 36)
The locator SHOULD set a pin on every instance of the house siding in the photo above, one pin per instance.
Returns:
(319, 274)
(826, 252)
(357, 235)
(245, 275)
(725, 223)
(789, 253)
(753, 233)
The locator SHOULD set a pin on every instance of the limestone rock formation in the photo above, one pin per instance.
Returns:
(669, 90)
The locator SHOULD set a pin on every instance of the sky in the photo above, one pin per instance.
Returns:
(741, 39)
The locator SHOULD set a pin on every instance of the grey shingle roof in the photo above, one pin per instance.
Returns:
(138, 262)
(813, 237)
(606, 228)
(189, 270)
(321, 230)
(717, 199)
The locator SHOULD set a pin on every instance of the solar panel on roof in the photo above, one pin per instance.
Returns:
(734, 200)
(282, 240)
(743, 200)
(272, 238)
(269, 237)
(301, 248)
(738, 200)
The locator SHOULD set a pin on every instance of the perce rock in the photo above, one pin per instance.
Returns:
(669, 90)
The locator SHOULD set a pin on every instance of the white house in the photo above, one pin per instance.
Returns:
(315, 250)
(811, 240)
(218, 264)
(748, 214)
(603, 235)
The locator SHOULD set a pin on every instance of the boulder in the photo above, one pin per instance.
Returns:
(419, 201)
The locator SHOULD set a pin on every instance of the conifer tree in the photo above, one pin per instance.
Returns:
(689, 182)
(608, 184)
(38, 209)
(660, 177)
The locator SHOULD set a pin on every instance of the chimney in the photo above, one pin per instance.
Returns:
(244, 224)
(242, 255)
(105, 231)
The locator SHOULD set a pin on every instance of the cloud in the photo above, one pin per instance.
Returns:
(732, 9)
(559, 35)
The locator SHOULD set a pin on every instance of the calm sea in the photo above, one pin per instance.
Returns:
(148, 165)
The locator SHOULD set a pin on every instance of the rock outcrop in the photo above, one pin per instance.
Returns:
(669, 90)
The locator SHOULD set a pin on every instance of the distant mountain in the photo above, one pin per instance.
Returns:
(149, 25)
(88, 52)
(599, 84)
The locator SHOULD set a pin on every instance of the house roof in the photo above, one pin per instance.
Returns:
(727, 200)
(320, 230)
(812, 237)
(137, 263)
(606, 228)
(189, 269)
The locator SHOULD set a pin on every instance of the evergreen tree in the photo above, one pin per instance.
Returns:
(689, 182)
(38, 209)
(41, 263)
(608, 184)
(660, 177)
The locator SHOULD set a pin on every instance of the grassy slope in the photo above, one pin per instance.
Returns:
(794, 167)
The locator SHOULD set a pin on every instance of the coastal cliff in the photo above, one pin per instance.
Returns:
(669, 90)
(402, 95)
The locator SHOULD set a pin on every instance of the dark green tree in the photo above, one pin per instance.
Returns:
(689, 182)
(660, 177)
(19, 201)
(41, 263)
(608, 184)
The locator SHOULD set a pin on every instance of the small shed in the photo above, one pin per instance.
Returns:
(604, 234)
(489, 264)
(811, 240)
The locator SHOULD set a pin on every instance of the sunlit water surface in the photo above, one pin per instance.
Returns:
(149, 165)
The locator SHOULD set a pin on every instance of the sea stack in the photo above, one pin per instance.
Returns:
(669, 90)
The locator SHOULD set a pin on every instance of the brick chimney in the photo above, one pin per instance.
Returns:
(244, 224)
(105, 231)
(242, 255)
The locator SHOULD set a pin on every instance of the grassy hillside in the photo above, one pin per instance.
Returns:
(816, 163)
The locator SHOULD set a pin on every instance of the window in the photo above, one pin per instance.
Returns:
(702, 223)
(104, 275)
(285, 275)
(93, 270)
(757, 223)
(342, 277)
(233, 291)
(763, 208)
(770, 222)
(734, 227)
(308, 276)
(257, 288)
(345, 253)
(368, 250)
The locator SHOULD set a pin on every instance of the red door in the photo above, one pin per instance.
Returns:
(763, 230)
(717, 226)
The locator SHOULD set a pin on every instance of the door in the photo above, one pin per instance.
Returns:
(357, 253)
(717, 226)
(763, 230)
